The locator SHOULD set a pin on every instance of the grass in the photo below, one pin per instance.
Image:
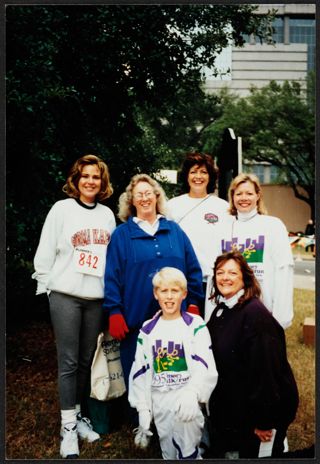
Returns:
(32, 410)
(301, 433)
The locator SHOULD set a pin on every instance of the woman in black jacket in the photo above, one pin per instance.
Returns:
(256, 397)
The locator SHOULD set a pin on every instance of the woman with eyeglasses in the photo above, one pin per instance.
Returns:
(139, 248)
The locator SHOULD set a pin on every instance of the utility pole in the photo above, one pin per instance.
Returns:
(229, 161)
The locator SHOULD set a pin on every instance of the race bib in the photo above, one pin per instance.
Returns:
(88, 262)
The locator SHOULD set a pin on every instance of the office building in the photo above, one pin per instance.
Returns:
(256, 64)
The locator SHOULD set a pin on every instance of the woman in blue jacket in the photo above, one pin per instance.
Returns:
(139, 248)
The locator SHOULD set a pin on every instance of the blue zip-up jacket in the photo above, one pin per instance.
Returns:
(133, 259)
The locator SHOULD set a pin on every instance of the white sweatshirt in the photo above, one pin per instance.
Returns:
(263, 241)
(172, 354)
(199, 218)
(71, 253)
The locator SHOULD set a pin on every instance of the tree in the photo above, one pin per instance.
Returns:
(85, 79)
(277, 125)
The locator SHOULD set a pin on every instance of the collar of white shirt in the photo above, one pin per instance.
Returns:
(231, 302)
(148, 228)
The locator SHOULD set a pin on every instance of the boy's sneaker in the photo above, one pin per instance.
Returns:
(69, 447)
(85, 429)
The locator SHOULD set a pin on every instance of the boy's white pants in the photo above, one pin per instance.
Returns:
(178, 440)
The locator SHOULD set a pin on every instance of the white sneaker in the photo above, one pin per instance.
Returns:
(69, 447)
(142, 438)
(85, 430)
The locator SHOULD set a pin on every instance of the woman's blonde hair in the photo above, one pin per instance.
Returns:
(241, 179)
(126, 207)
(169, 275)
(71, 185)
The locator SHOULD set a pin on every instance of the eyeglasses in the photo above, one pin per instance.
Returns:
(140, 195)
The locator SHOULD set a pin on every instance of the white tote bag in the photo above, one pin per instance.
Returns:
(107, 380)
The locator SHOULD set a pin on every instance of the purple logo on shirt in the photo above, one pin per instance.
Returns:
(211, 218)
(251, 249)
(168, 358)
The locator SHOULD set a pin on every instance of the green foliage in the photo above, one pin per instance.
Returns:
(277, 125)
(98, 79)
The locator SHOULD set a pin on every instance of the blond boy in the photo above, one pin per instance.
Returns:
(173, 371)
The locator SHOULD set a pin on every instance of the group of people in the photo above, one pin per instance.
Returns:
(197, 290)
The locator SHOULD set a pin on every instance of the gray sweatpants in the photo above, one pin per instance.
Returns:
(76, 324)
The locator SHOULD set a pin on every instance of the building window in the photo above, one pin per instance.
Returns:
(278, 33)
(303, 31)
(247, 38)
(278, 26)
(266, 173)
(276, 176)
(258, 170)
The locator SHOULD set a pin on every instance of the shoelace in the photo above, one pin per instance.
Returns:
(70, 434)
(86, 421)
(70, 429)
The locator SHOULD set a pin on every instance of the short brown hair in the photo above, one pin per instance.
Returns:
(71, 185)
(241, 179)
(198, 159)
(251, 285)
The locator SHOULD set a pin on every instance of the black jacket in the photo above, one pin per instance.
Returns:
(256, 387)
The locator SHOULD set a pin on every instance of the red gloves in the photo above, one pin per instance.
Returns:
(117, 326)
(193, 309)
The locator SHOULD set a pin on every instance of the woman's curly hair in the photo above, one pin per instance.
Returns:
(71, 185)
(126, 207)
(198, 159)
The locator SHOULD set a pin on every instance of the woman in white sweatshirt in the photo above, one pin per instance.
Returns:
(198, 210)
(263, 241)
(69, 266)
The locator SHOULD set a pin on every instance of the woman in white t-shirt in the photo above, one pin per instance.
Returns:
(263, 241)
(198, 211)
